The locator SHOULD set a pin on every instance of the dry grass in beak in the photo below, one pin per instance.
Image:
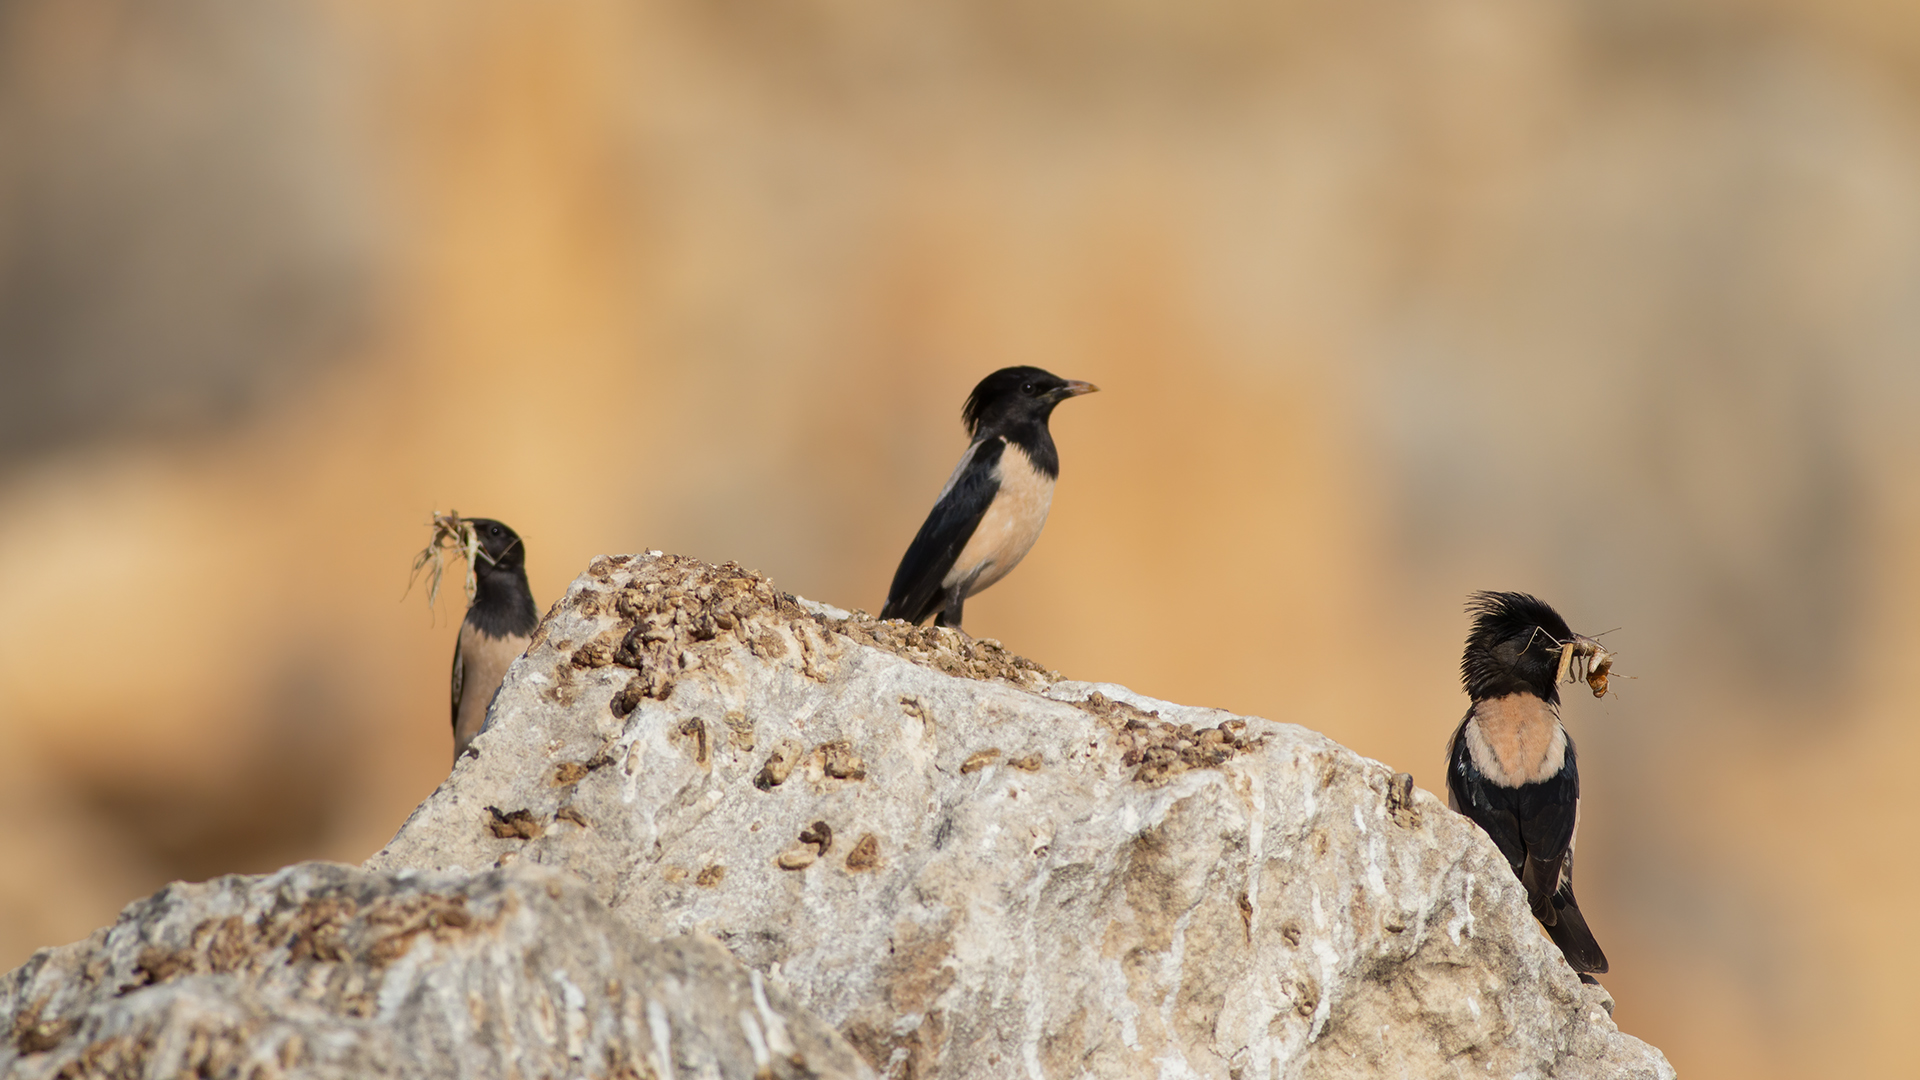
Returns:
(451, 533)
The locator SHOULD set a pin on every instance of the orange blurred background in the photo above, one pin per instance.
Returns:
(1611, 300)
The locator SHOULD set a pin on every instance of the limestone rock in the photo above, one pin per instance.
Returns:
(972, 867)
(323, 970)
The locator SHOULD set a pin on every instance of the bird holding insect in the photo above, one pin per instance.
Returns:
(1511, 766)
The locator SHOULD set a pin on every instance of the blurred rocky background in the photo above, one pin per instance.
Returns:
(1611, 300)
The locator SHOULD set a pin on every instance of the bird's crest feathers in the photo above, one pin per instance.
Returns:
(1513, 645)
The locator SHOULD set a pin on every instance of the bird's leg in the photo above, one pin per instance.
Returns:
(950, 615)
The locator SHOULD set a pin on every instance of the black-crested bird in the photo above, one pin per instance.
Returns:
(498, 625)
(991, 511)
(1510, 765)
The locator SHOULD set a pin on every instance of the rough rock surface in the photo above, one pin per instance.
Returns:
(323, 970)
(974, 868)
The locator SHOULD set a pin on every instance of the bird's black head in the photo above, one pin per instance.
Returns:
(1016, 394)
(1513, 646)
(500, 548)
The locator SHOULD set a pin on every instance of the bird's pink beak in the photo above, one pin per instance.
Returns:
(1075, 388)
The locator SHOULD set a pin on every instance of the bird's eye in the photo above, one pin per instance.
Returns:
(493, 530)
(1027, 389)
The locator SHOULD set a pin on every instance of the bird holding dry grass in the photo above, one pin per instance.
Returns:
(500, 612)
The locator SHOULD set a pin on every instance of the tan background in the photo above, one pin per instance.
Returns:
(1613, 300)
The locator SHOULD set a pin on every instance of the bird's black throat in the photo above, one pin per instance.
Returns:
(1030, 434)
(503, 603)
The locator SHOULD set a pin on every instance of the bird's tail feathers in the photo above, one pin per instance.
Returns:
(1569, 931)
(1539, 879)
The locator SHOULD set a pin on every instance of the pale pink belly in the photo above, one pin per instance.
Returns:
(484, 661)
(1011, 524)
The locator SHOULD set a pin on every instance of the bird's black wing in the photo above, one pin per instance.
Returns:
(1549, 873)
(1569, 931)
(1548, 812)
(1472, 794)
(916, 591)
(1533, 826)
(459, 679)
